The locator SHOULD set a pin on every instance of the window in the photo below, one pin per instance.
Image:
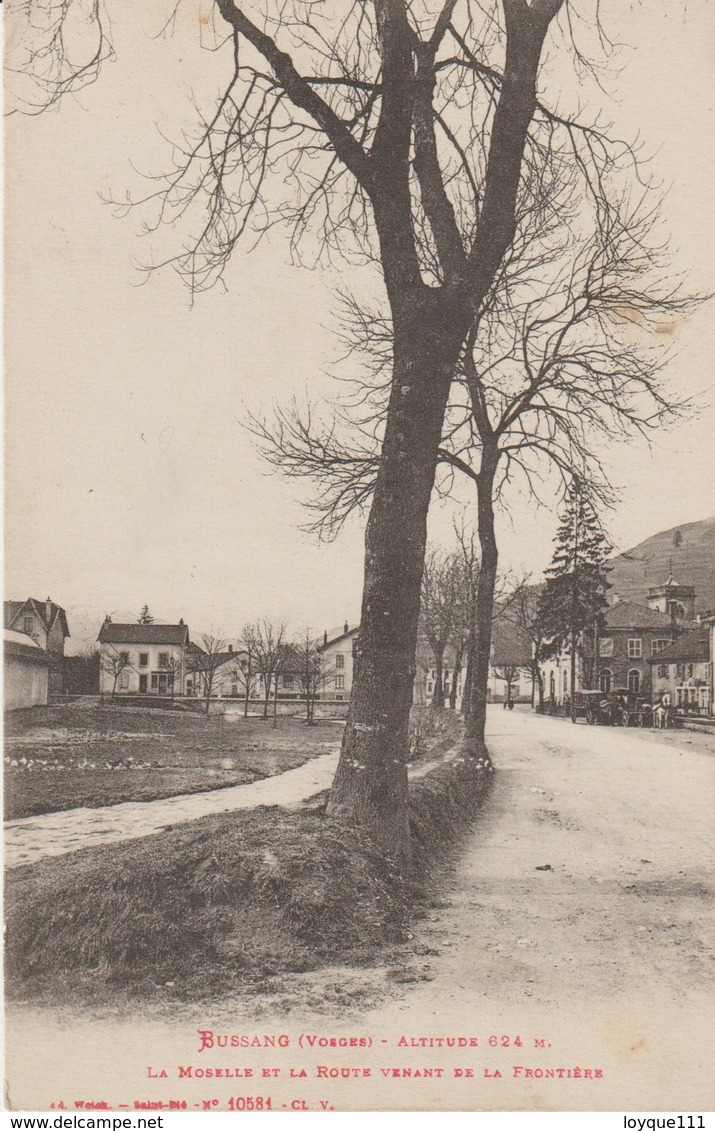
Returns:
(430, 688)
(163, 659)
(143, 659)
(552, 685)
(288, 682)
(27, 625)
(691, 669)
(662, 671)
(635, 649)
(634, 681)
(565, 682)
(154, 680)
(605, 646)
(680, 671)
(234, 689)
(657, 646)
(124, 657)
(339, 660)
(606, 680)
(339, 682)
(124, 681)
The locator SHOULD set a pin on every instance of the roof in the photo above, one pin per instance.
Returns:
(511, 646)
(13, 609)
(694, 647)
(336, 635)
(24, 647)
(669, 585)
(629, 614)
(111, 633)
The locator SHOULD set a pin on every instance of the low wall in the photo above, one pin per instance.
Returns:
(26, 683)
(285, 708)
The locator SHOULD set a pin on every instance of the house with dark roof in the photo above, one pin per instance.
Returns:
(142, 659)
(631, 637)
(510, 663)
(683, 672)
(46, 624)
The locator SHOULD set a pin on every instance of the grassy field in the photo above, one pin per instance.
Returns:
(226, 903)
(64, 757)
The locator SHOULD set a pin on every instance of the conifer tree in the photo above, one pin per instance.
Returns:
(574, 599)
(145, 616)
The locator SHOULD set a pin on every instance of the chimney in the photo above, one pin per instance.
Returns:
(107, 619)
(346, 627)
(48, 609)
(181, 620)
(325, 638)
(230, 647)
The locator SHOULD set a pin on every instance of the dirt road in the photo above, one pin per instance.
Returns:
(578, 920)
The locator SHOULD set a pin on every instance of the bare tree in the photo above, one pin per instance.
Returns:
(400, 134)
(438, 612)
(525, 615)
(268, 639)
(114, 663)
(204, 662)
(510, 674)
(284, 666)
(560, 367)
(174, 668)
(309, 664)
(246, 666)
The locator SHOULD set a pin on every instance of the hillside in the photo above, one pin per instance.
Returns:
(692, 556)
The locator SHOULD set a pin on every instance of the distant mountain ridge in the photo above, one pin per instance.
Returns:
(688, 551)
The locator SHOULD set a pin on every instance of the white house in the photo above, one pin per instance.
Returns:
(338, 658)
(142, 659)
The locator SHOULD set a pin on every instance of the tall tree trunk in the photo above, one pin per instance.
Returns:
(370, 786)
(540, 685)
(468, 675)
(572, 681)
(486, 585)
(430, 327)
(458, 655)
(438, 693)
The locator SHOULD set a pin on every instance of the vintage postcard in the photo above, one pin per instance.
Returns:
(360, 556)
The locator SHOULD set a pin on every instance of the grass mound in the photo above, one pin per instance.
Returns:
(223, 902)
(443, 805)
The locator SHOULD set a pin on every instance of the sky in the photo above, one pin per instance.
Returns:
(129, 476)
